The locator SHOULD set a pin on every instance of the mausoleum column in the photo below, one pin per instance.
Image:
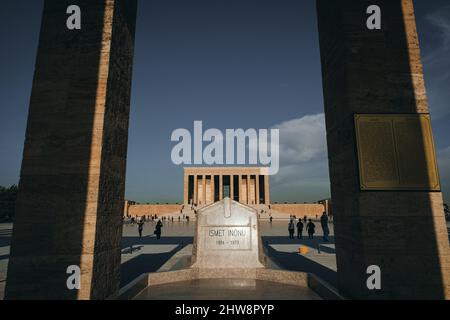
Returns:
(220, 187)
(204, 189)
(213, 189)
(186, 189)
(195, 197)
(239, 188)
(231, 187)
(266, 190)
(249, 201)
(257, 189)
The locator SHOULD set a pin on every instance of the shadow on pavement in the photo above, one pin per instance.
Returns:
(297, 262)
(135, 241)
(5, 237)
(145, 263)
(312, 243)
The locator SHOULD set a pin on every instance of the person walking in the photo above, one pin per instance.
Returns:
(270, 219)
(324, 224)
(158, 229)
(291, 229)
(140, 227)
(311, 228)
(299, 229)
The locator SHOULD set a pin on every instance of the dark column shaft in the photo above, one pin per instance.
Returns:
(380, 72)
(71, 192)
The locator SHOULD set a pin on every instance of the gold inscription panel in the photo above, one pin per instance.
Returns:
(396, 152)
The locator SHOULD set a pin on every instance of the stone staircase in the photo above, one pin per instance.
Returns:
(264, 213)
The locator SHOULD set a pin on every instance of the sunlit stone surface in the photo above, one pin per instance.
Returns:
(227, 236)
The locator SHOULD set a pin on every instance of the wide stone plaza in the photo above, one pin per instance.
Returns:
(387, 203)
(174, 250)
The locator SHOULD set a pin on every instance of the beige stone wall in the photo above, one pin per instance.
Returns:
(158, 209)
(299, 210)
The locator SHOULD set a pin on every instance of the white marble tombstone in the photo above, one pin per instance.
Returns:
(227, 236)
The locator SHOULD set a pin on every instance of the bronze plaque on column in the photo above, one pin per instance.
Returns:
(396, 152)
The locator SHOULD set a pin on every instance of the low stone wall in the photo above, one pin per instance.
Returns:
(300, 210)
(150, 209)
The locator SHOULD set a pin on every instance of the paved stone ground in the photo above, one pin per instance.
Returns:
(227, 289)
(174, 249)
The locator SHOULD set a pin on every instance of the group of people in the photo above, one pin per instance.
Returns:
(137, 219)
(310, 227)
(157, 231)
(151, 218)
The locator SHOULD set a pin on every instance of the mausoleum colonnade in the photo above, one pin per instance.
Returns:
(204, 186)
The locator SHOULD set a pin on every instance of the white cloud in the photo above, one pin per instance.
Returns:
(303, 139)
(303, 174)
(437, 62)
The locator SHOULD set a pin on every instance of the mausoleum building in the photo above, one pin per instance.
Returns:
(206, 185)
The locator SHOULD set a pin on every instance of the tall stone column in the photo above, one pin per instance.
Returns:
(239, 188)
(249, 197)
(244, 189)
(380, 72)
(231, 187)
(266, 190)
(213, 189)
(186, 189)
(204, 190)
(200, 190)
(195, 196)
(242, 194)
(257, 189)
(220, 187)
(72, 181)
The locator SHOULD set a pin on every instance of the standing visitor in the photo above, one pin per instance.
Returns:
(158, 229)
(324, 224)
(291, 229)
(299, 229)
(311, 227)
(140, 227)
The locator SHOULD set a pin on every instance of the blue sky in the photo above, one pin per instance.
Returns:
(231, 64)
